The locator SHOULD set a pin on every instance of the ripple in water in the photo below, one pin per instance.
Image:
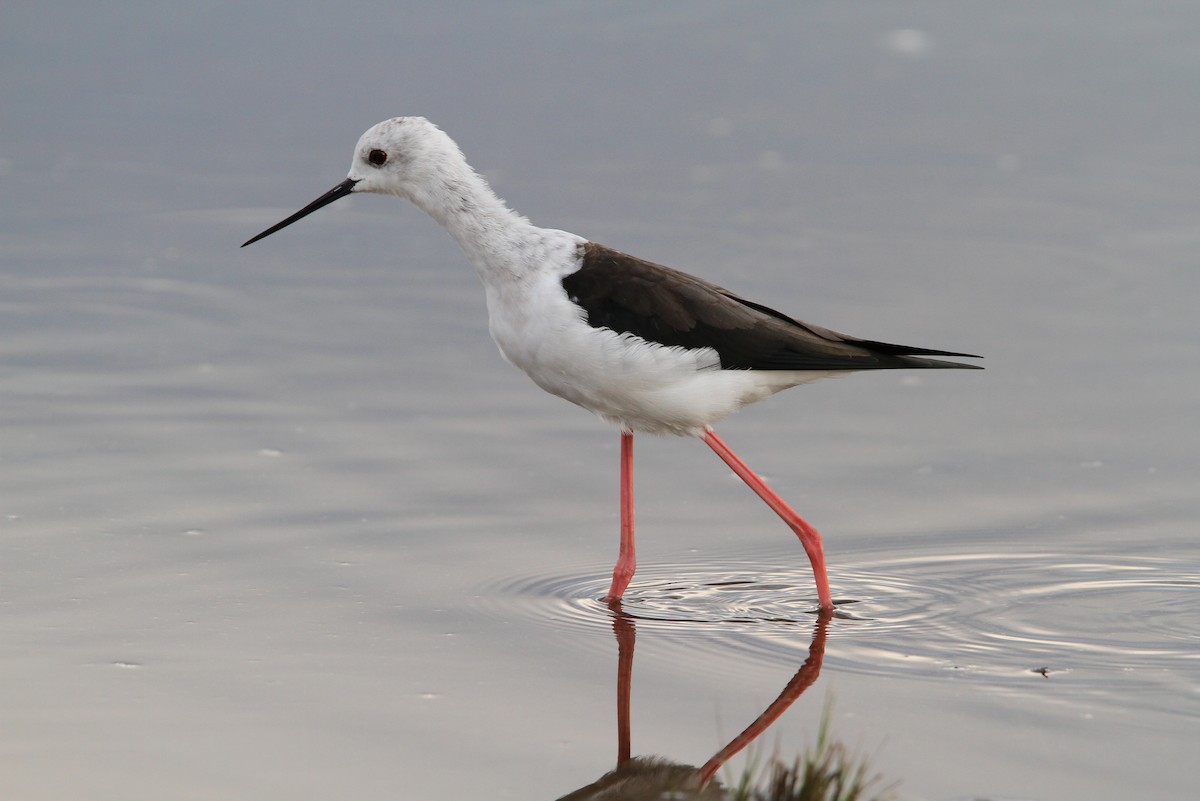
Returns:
(1104, 624)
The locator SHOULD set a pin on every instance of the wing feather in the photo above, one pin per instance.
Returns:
(630, 295)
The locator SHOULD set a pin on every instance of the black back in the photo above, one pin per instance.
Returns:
(633, 296)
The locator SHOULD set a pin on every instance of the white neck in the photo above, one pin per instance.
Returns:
(488, 231)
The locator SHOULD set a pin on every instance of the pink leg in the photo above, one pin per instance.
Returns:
(808, 535)
(626, 559)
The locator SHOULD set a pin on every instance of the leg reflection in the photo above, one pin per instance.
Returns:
(624, 628)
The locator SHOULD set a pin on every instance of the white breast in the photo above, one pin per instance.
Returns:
(635, 384)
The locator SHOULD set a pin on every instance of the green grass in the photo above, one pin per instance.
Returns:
(827, 772)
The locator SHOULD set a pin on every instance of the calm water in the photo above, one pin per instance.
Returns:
(279, 523)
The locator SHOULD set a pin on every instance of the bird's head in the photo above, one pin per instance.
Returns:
(395, 157)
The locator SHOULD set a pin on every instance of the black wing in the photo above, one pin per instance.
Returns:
(659, 304)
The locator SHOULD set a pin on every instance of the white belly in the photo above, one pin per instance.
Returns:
(637, 385)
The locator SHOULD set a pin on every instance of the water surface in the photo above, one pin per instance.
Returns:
(279, 523)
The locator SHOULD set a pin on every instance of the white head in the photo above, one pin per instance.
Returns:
(406, 156)
(401, 154)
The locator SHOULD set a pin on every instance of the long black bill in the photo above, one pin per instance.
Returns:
(339, 191)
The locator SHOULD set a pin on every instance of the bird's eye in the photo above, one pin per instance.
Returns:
(377, 157)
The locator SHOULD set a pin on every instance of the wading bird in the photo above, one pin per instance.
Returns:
(643, 346)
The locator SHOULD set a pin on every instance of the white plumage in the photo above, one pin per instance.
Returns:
(630, 382)
(643, 346)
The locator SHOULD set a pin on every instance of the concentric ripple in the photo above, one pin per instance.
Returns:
(1009, 615)
(1005, 617)
(714, 611)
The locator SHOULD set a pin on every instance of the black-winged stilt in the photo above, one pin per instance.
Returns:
(643, 346)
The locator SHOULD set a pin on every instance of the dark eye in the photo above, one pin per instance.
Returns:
(377, 157)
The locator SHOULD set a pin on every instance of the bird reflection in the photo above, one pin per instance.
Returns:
(654, 778)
